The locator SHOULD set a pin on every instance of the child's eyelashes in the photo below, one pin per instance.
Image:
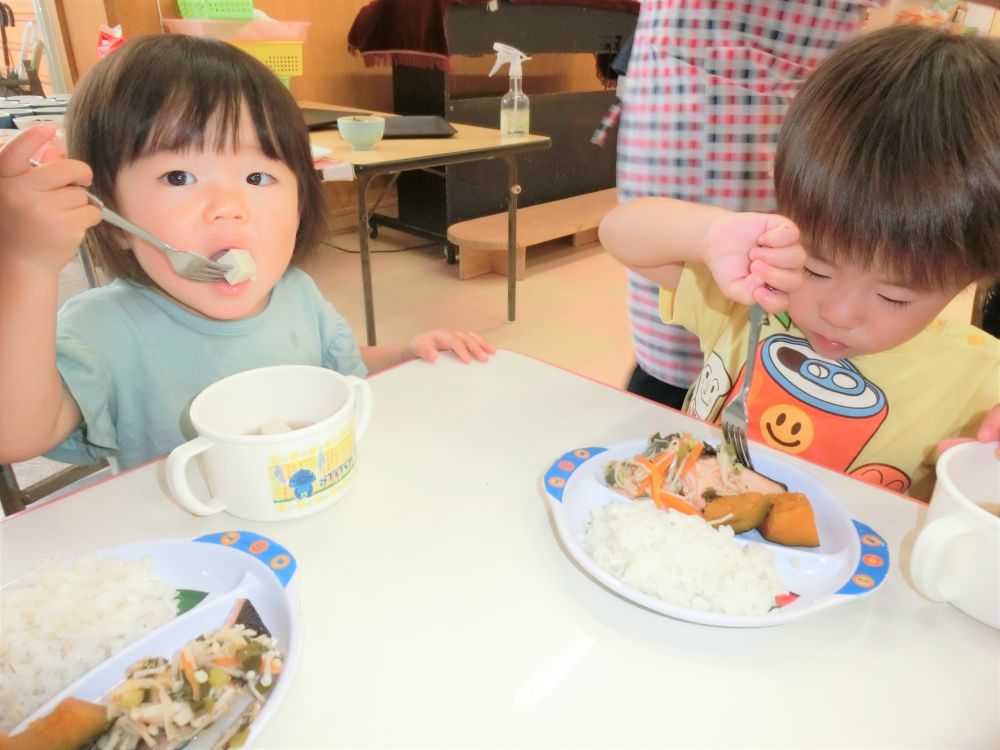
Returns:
(178, 178)
(895, 302)
(260, 178)
(892, 301)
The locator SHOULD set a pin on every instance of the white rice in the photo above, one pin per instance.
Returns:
(682, 559)
(61, 620)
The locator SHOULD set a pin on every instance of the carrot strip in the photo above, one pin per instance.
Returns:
(664, 459)
(669, 500)
(226, 661)
(689, 461)
(655, 477)
(643, 487)
(657, 487)
(188, 668)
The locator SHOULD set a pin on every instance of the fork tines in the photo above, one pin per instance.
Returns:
(738, 439)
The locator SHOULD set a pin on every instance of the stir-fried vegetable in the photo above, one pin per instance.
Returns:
(681, 472)
(163, 704)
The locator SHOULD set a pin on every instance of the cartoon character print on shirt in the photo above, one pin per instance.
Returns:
(710, 388)
(820, 409)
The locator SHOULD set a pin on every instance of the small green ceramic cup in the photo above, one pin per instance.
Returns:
(361, 131)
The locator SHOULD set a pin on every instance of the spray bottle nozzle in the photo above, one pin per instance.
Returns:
(508, 54)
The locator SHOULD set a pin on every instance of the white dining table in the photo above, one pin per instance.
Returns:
(441, 611)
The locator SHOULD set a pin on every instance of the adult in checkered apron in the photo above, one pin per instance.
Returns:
(706, 90)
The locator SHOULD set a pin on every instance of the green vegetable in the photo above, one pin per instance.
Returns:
(187, 599)
(250, 654)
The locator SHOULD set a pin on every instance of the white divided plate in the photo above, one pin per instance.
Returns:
(851, 560)
(227, 566)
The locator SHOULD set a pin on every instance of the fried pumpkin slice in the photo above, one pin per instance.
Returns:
(741, 512)
(791, 521)
(71, 725)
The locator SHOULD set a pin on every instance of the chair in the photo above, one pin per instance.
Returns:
(22, 78)
(986, 307)
(14, 498)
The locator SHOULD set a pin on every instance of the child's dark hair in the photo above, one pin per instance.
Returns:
(889, 157)
(161, 93)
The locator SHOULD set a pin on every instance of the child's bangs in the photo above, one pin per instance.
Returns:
(190, 120)
(914, 247)
(882, 191)
(186, 121)
(197, 101)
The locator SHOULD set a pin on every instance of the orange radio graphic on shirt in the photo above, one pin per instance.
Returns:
(802, 403)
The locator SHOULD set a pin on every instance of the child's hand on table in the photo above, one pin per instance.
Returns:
(465, 344)
(43, 214)
(755, 258)
(988, 432)
(989, 429)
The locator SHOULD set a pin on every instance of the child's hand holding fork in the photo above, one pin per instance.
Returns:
(43, 214)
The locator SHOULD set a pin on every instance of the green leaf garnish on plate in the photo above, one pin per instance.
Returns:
(187, 599)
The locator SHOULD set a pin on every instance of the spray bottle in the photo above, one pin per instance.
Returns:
(514, 105)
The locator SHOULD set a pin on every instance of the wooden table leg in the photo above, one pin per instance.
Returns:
(513, 190)
(366, 266)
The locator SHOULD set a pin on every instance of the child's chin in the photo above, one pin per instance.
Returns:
(225, 308)
(234, 312)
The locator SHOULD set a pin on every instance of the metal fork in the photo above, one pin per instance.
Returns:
(187, 264)
(734, 416)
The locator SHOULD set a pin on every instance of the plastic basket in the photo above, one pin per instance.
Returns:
(284, 58)
(245, 31)
(227, 9)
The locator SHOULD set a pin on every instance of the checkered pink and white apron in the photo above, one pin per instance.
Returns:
(709, 82)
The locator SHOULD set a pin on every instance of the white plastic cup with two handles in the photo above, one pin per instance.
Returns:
(274, 443)
(956, 557)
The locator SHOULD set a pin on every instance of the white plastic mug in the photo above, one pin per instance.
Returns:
(275, 475)
(956, 557)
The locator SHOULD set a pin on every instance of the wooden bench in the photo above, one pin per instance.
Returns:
(482, 242)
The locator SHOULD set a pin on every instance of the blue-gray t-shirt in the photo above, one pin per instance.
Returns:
(134, 360)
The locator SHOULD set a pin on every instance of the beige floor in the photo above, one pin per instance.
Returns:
(570, 306)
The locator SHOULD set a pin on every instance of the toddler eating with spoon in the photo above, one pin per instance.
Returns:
(205, 148)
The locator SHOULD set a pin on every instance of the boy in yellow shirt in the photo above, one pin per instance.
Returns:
(888, 171)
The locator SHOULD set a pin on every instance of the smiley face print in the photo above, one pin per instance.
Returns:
(787, 428)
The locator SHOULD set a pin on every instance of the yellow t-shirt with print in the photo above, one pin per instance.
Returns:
(877, 417)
